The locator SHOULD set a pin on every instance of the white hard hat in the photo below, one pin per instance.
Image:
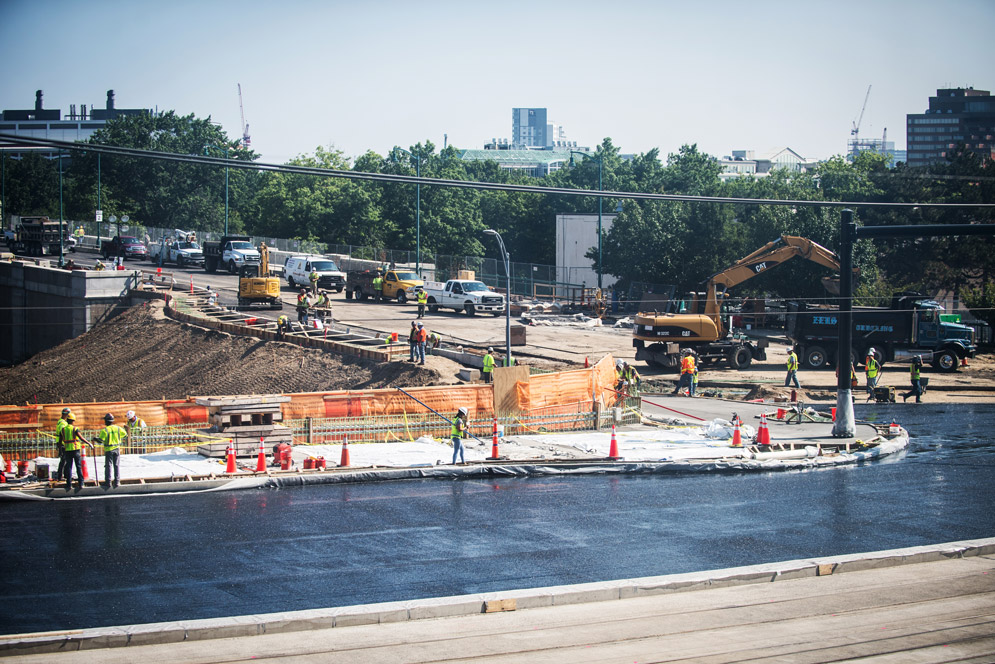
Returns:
(130, 414)
(490, 349)
(463, 410)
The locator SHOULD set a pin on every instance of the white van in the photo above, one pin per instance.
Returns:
(297, 269)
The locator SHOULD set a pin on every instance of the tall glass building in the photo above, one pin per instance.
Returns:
(958, 116)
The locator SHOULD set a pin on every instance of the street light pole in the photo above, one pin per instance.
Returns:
(507, 301)
(417, 159)
(62, 247)
(599, 159)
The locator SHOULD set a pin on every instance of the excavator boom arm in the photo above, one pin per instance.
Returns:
(771, 254)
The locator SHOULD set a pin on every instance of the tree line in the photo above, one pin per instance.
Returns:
(679, 243)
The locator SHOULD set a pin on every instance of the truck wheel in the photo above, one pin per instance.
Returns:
(339, 290)
(469, 309)
(740, 358)
(290, 280)
(180, 261)
(401, 297)
(357, 293)
(231, 265)
(211, 265)
(348, 293)
(432, 306)
(815, 357)
(945, 361)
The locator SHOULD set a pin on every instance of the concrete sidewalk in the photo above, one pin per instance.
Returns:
(923, 604)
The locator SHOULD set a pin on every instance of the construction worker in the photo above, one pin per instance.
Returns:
(457, 432)
(631, 379)
(134, 426)
(282, 326)
(111, 437)
(687, 374)
(619, 378)
(60, 448)
(72, 442)
(488, 370)
(422, 339)
(303, 304)
(99, 266)
(914, 375)
(413, 342)
(871, 369)
(79, 234)
(792, 375)
(435, 339)
(378, 286)
(323, 307)
(422, 301)
(313, 277)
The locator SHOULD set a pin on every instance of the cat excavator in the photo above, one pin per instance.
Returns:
(660, 338)
(256, 286)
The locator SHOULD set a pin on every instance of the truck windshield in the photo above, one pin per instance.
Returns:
(324, 266)
(407, 276)
(471, 286)
(241, 245)
(188, 245)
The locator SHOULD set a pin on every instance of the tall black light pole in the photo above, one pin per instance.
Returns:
(62, 248)
(507, 302)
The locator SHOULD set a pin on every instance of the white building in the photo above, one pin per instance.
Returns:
(745, 162)
(575, 235)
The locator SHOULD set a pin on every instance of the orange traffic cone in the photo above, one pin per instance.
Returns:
(587, 363)
(191, 285)
(737, 437)
(613, 449)
(10, 465)
(963, 361)
(494, 447)
(261, 460)
(82, 456)
(763, 436)
(230, 468)
(344, 461)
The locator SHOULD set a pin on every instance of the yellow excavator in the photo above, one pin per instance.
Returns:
(256, 286)
(660, 338)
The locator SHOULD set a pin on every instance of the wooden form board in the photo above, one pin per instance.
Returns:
(506, 381)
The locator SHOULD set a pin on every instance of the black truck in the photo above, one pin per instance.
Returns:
(910, 326)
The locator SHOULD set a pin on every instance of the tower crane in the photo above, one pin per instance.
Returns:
(855, 130)
(246, 140)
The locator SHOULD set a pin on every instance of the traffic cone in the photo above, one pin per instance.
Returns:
(344, 461)
(82, 456)
(763, 436)
(261, 459)
(10, 465)
(494, 445)
(191, 284)
(230, 468)
(158, 271)
(963, 361)
(613, 449)
(737, 437)
(587, 363)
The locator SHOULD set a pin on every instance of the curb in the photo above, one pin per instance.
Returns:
(461, 605)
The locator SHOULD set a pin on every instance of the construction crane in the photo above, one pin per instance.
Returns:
(855, 130)
(246, 140)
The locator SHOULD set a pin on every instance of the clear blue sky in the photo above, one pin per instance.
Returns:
(370, 75)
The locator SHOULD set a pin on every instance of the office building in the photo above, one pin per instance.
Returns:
(528, 128)
(955, 117)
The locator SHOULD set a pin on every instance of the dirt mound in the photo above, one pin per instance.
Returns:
(143, 355)
(775, 393)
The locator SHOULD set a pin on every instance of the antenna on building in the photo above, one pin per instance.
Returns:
(246, 140)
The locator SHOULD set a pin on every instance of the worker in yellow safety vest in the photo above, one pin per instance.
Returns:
(134, 425)
(687, 374)
(422, 301)
(914, 375)
(488, 370)
(630, 378)
(72, 442)
(378, 286)
(457, 433)
(111, 437)
(792, 375)
(871, 369)
(60, 448)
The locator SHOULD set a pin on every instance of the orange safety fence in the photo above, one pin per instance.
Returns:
(540, 391)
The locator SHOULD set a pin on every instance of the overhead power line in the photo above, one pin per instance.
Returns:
(15, 140)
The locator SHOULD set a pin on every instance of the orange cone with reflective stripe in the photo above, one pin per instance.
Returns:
(261, 459)
(494, 447)
(737, 437)
(763, 435)
(230, 468)
(82, 456)
(344, 461)
(613, 450)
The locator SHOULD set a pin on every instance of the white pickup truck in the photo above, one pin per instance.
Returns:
(462, 295)
(181, 252)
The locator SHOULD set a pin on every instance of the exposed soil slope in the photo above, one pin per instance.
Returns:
(141, 355)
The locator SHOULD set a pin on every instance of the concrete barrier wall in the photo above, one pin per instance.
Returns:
(42, 305)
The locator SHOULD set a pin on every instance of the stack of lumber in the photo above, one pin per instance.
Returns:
(244, 420)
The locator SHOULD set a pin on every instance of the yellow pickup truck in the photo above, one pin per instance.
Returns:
(396, 283)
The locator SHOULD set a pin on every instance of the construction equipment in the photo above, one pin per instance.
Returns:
(246, 141)
(256, 286)
(40, 236)
(659, 338)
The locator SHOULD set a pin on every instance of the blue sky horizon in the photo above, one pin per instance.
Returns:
(367, 76)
